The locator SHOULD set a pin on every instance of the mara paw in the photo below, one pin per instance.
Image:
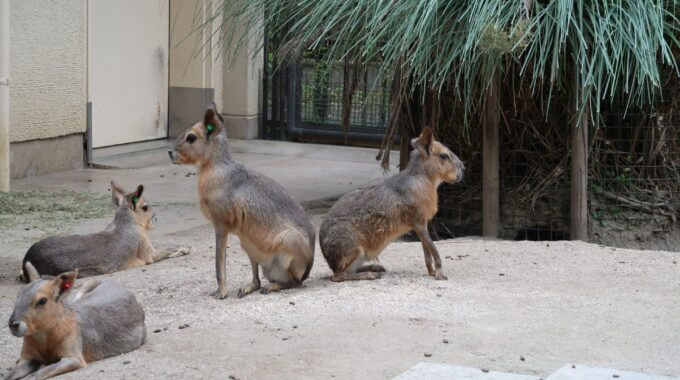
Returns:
(221, 294)
(247, 289)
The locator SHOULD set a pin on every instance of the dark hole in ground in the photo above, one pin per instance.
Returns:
(539, 233)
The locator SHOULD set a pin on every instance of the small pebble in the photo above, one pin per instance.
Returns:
(485, 370)
(294, 326)
(89, 180)
(291, 302)
(446, 341)
(232, 377)
(522, 358)
(126, 362)
(27, 228)
(501, 274)
(162, 176)
(573, 366)
(427, 354)
(174, 173)
(615, 376)
(285, 338)
(181, 327)
(157, 331)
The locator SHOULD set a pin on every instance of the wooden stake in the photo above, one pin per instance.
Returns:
(578, 226)
(491, 185)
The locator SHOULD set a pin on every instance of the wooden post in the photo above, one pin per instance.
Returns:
(491, 185)
(578, 226)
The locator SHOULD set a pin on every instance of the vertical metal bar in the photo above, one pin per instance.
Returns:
(4, 96)
(291, 98)
(88, 137)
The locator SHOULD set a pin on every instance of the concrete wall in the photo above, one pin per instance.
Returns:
(37, 157)
(237, 89)
(190, 68)
(48, 85)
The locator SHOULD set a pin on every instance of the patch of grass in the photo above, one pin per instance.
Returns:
(47, 210)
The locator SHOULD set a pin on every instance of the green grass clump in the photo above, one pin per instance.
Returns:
(47, 210)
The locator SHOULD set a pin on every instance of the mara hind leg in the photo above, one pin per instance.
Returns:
(371, 268)
(286, 271)
(255, 284)
(351, 269)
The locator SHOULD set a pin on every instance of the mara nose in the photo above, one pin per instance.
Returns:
(14, 325)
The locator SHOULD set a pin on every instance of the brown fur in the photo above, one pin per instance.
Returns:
(363, 222)
(273, 228)
(65, 326)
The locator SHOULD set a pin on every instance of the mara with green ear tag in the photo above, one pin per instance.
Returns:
(122, 245)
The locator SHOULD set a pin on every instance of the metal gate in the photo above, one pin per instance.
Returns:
(303, 101)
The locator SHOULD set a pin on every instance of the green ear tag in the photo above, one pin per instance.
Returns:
(210, 128)
(135, 199)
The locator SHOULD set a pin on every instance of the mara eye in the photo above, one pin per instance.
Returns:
(145, 208)
(41, 302)
(444, 156)
(191, 138)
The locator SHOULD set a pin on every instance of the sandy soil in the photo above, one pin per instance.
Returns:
(523, 307)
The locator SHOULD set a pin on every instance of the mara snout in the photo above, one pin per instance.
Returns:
(363, 222)
(122, 245)
(273, 228)
(65, 325)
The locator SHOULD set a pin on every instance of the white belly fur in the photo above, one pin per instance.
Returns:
(274, 266)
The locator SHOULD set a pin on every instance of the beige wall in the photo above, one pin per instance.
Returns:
(240, 82)
(186, 68)
(48, 68)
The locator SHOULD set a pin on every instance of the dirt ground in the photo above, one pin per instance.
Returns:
(521, 307)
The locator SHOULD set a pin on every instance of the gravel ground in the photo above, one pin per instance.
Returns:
(522, 307)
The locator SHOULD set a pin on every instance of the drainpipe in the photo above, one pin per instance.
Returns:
(4, 95)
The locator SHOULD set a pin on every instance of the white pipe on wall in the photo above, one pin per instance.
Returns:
(4, 95)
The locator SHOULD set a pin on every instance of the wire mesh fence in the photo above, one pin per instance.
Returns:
(323, 88)
(635, 173)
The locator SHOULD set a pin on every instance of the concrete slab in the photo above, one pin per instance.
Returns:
(580, 372)
(154, 153)
(435, 371)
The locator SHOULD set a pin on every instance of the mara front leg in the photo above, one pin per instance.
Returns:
(220, 262)
(64, 365)
(430, 252)
(22, 369)
(150, 255)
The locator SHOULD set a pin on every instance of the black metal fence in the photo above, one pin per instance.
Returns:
(304, 101)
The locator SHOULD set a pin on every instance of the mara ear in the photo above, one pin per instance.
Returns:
(64, 282)
(424, 142)
(31, 272)
(213, 107)
(134, 197)
(212, 121)
(117, 193)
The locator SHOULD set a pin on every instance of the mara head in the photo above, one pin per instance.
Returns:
(437, 159)
(40, 302)
(197, 144)
(134, 205)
